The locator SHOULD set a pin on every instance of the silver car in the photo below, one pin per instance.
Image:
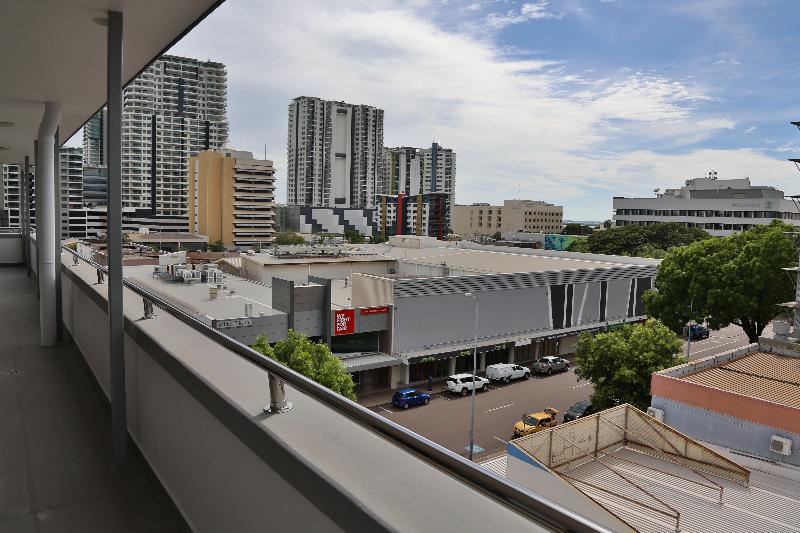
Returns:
(550, 364)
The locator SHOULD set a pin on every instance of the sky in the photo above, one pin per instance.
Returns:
(567, 101)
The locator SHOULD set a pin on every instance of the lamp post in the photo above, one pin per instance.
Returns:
(474, 373)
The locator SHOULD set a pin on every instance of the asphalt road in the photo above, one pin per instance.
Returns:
(446, 419)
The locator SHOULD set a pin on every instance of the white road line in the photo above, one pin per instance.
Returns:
(501, 407)
(695, 352)
(442, 397)
(581, 385)
(501, 440)
(388, 411)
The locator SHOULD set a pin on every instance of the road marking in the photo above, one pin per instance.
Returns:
(385, 409)
(442, 397)
(582, 385)
(501, 440)
(501, 407)
(695, 352)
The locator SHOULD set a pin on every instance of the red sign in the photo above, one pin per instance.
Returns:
(344, 322)
(375, 310)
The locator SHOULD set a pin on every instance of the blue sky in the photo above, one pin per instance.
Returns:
(568, 101)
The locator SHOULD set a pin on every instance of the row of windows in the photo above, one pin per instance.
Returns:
(702, 225)
(707, 213)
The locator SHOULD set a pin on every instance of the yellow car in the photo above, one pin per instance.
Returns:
(533, 422)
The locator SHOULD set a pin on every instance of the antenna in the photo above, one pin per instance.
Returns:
(265, 151)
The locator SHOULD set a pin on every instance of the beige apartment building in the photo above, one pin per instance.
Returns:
(514, 215)
(231, 198)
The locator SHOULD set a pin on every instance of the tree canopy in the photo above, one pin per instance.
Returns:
(312, 359)
(644, 241)
(574, 228)
(353, 237)
(727, 280)
(217, 246)
(619, 362)
(288, 237)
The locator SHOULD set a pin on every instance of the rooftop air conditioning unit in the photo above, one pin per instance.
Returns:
(780, 445)
(658, 414)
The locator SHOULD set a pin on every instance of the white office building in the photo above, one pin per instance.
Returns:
(720, 207)
(334, 153)
(177, 105)
(414, 171)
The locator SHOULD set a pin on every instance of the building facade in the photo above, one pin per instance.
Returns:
(232, 198)
(513, 216)
(174, 109)
(95, 185)
(420, 214)
(413, 171)
(94, 138)
(330, 220)
(720, 207)
(73, 217)
(334, 153)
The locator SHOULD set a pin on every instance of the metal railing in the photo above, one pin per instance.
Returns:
(538, 508)
(11, 231)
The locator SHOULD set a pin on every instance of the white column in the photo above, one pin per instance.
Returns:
(451, 368)
(46, 223)
(511, 354)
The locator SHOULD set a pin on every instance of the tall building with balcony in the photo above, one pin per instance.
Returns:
(720, 207)
(94, 140)
(174, 109)
(529, 216)
(10, 196)
(232, 198)
(73, 216)
(420, 171)
(334, 153)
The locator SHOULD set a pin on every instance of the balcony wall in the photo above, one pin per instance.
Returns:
(11, 249)
(195, 412)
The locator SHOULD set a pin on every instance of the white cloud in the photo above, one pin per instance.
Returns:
(519, 125)
(750, 130)
(526, 12)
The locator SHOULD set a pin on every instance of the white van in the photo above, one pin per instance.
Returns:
(506, 372)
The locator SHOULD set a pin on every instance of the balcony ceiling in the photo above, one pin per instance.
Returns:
(53, 50)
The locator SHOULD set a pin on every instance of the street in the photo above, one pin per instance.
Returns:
(446, 419)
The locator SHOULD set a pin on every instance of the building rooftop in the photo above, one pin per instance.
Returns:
(767, 376)
(166, 237)
(195, 299)
(656, 479)
(270, 259)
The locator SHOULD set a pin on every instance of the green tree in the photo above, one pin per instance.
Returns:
(353, 237)
(644, 241)
(288, 237)
(217, 246)
(619, 363)
(607, 224)
(579, 245)
(312, 359)
(497, 236)
(377, 239)
(731, 280)
(574, 228)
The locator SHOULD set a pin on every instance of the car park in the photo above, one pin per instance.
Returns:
(550, 364)
(533, 422)
(463, 383)
(578, 410)
(405, 398)
(506, 372)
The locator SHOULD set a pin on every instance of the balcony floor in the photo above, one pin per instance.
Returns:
(56, 473)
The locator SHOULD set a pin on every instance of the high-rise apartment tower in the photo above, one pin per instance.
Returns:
(334, 153)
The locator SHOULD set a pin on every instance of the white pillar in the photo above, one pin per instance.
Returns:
(482, 362)
(46, 223)
(451, 366)
(511, 354)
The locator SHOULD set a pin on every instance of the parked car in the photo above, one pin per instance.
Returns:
(462, 383)
(578, 410)
(533, 422)
(698, 332)
(405, 398)
(506, 372)
(550, 364)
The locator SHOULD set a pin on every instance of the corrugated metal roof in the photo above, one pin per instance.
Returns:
(766, 376)
(368, 361)
(498, 465)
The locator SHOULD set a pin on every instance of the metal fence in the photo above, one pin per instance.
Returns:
(538, 508)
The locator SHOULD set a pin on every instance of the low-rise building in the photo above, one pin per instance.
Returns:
(513, 216)
(720, 207)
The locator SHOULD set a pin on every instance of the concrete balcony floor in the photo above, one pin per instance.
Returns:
(56, 472)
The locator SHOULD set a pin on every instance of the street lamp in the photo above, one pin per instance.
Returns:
(474, 375)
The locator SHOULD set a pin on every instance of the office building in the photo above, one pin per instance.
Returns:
(334, 153)
(177, 105)
(10, 196)
(73, 217)
(422, 214)
(330, 220)
(94, 140)
(95, 186)
(232, 198)
(513, 216)
(419, 170)
(720, 207)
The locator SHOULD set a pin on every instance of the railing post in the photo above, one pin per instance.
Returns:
(277, 396)
(148, 309)
(100, 279)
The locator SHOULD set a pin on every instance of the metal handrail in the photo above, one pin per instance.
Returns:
(10, 230)
(519, 499)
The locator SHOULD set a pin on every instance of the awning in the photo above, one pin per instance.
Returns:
(355, 362)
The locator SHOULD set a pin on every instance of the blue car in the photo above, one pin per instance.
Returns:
(404, 398)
